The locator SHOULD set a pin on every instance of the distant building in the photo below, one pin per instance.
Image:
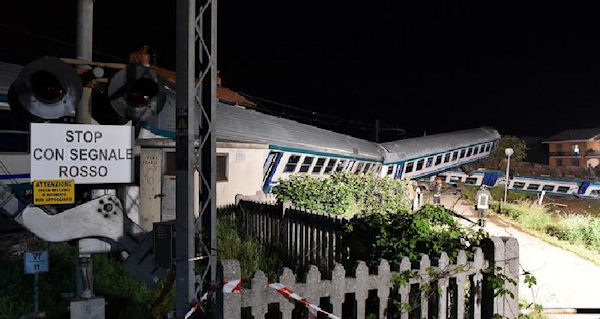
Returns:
(580, 148)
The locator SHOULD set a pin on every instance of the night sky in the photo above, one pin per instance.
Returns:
(530, 68)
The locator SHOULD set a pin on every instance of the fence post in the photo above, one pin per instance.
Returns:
(493, 250)
(404, 289)
(259, 295)
(424, 266)
(338, 281)
(476, 287)
(288, 279)
(362, 288)
(443, 283)
(461, 279)
(511, 270)
(383, 286)
(228, 305)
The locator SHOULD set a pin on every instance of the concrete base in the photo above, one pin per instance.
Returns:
(88, 308)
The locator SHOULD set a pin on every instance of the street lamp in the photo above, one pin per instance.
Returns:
(508, 151)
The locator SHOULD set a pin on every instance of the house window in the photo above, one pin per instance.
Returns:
(462, 153)
(420, 164)
(306, 164)
(390, 170)
(330, 165)
(533, 187)
(222, 167)
(438, 160)
(575, 162)
(518, 185)
(559, 147)
(563, 189)
(318, 165)
(454, 156)
(447, 158)
(548, 188)
(291, 164)
(559, 162)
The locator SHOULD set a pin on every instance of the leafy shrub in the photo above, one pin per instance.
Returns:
(430, 230)
(247, 250)
(518, 145)
(345, 193)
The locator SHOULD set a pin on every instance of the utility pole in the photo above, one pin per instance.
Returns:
(195, 24)
(85, 27)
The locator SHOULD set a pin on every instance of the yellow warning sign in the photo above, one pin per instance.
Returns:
(53, 191)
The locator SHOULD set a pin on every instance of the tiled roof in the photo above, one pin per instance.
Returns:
(575, 135)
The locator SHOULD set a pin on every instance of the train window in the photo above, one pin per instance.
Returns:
(308, 160)
(318, 165)
(481, 148)
(390, 170)
(454, 156)
(548, 188)
(409, 167)
(469, 151)
(447, 158)
(359, 167)
(420, 164)
(518, 185)
(341, 164)
(563, 189)
(291, 164)
(329, 166)
(367, 168)
(429, 162)
(14, 142)
(222, 167)
(475, 150)
(454, 179)
(462, 153)
(488, 146)
(376, 168)
(471, 181)
(438, 160)
(533, 187)
(350, 166)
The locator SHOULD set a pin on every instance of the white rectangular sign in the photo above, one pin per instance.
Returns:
(89, 154)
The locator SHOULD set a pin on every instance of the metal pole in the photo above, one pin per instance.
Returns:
(36, 294)
(184, 165)
(83, 51)
(507, 179)
(85, 26)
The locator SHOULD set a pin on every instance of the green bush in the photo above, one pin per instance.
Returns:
(430, 230)
(518, 145)
(247, 250)
(345, 193)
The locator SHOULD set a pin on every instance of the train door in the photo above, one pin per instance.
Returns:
(490, 178)
(269, 168)
(583, 188)
(399, 170)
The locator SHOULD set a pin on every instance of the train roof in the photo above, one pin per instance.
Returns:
(237, 124)
(438, 143)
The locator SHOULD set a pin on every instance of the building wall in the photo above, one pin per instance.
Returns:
(244, 173)
(583, 160)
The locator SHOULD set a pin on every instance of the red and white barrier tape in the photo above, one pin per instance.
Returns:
(234, 286)
(313, 309)
(229, 287)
